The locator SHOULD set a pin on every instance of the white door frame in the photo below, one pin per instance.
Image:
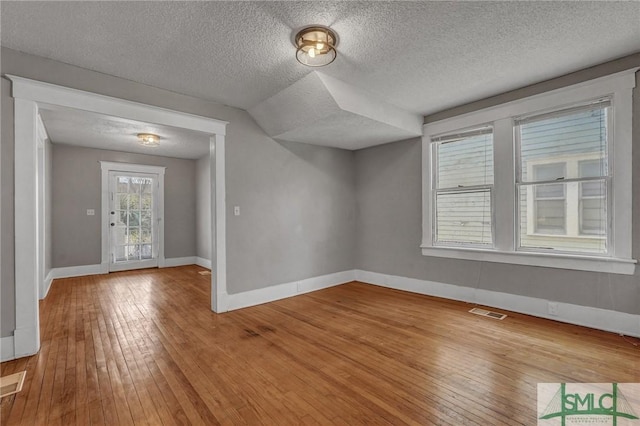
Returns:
(31, 95)
(41, 134)
(108, 166)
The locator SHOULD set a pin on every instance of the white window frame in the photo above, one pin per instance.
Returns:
(619, 87)
(572, 225)
(482, 187)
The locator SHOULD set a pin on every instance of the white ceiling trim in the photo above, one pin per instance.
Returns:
(58, 96)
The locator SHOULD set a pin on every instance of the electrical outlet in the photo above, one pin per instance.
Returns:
(553, 308)
(91, 212)
(236, 210)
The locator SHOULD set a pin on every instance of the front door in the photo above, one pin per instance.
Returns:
(133, 220)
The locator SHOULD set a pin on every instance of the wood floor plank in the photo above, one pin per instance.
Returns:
(143, 348)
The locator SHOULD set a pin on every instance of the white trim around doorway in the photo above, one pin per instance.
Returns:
(29, 97)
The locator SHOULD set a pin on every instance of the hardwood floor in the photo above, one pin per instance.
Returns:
(142, 347)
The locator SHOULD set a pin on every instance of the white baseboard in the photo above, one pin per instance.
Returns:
(7, 352)
(26, 341)
(179, 261)
(75, 271)
(602, 319)
(205, 263)
(282, 291)
(47, 285)
(80, 271)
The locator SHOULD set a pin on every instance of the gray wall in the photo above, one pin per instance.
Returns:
(203, 208)
(77, 187)
(297, 202)
(297, 212)
(389, 234)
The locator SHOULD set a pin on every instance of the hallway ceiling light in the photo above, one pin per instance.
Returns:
(316, 46)
(148, 139)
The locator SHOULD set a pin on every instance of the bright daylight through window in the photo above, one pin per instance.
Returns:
(543, 181)
(464, 183)
(563, 178)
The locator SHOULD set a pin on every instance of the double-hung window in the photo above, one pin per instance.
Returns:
(562, 179)
(463, 188)
(542, 181)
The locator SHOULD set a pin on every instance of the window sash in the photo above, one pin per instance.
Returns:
(557, 113)
(463, 134)
(435, 147)
(540, 228)
(535, 117)
(606, 170)
(475, 189)
(539, 201)
(604, 198)
(607, 183)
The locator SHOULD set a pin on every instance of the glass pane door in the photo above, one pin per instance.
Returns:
(133, 224)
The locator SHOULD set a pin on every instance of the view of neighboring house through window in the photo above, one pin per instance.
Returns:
(550, 201)
(539, 181)
(592, 200)
(463, 188)
(562, 179)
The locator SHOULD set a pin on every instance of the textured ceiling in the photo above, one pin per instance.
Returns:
(420, 56)
(322, 110)
(80, 128)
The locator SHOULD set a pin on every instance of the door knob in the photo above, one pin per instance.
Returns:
(113, 224)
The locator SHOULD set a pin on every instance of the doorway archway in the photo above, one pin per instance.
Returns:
(30, 96)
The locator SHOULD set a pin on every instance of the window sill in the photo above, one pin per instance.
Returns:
(548, 260)
(577, 236)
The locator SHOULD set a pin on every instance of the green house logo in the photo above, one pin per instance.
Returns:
(588, 403)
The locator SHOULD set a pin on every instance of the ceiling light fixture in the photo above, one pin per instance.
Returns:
(148, 139)
(316, 46)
